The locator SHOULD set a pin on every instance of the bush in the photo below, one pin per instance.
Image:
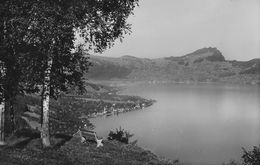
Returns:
(252, 157)
(249, 157)
(120, 135)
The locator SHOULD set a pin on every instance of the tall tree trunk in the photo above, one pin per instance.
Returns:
(2, 104)
(12, 120)
(45, 134)
(2, 119)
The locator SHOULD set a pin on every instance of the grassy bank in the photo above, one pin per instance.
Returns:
(73, 152)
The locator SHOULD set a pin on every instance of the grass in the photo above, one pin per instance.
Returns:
(73, 152)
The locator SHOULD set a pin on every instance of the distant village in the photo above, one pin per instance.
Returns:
(108, 108)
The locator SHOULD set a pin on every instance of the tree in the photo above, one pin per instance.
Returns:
(10, 27)
(51, 28)
(15, 64)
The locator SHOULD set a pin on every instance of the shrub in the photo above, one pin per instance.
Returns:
(252, 157)
(249, 157)
(120, 135)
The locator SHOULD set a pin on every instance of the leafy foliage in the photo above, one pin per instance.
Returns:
(37, 45)
(249, 157)
(252, 157)
(32, 31)
(120, 135)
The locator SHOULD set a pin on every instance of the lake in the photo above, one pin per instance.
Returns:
(197, 124)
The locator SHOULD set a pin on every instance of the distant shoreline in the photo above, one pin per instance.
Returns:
(124, 83)
(111, 103)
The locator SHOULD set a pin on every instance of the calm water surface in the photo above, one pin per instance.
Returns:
(197, 124)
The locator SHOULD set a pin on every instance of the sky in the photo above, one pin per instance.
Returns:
(163, 28)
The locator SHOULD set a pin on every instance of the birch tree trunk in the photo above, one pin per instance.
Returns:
(12, 117)
(2, 104)
(2, 117)
(45, 135)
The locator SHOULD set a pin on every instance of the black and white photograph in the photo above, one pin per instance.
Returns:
(129, 82)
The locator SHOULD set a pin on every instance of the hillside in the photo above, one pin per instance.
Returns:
(73, 152)
(203, 65)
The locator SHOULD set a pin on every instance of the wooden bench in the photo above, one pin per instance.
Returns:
(86, 135)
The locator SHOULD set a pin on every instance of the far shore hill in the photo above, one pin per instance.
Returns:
(203, 65)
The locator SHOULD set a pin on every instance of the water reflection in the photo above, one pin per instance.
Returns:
(199, 124)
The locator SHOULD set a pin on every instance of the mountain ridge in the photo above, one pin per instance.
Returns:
(202, 65)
